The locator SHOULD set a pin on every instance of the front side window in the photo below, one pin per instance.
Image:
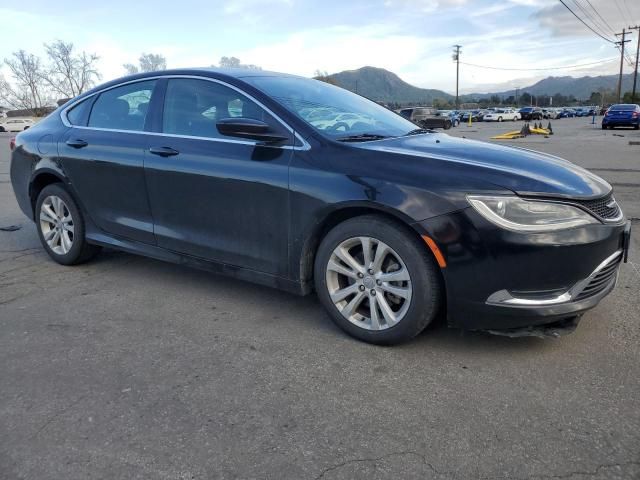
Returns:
(122, 108)
(321, 105)
(192, 107)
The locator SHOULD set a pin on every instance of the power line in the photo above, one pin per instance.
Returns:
(600, 16)
(619, 9)
(590, 17)
(627, 9)
(559, 67)
(584, 23)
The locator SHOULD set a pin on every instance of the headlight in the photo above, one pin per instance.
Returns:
(517, 214)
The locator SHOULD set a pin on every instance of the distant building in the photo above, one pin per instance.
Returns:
(42, 112)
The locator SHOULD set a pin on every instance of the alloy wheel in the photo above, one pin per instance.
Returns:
(56, 224)
(368, 283)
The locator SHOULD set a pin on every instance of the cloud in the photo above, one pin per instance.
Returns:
(606, 17)
(425, 6)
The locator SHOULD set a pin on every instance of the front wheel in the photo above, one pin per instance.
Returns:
(376, 280)
(61, 226)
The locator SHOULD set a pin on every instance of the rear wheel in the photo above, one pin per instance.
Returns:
(447, 125)
(376, 280)
(61, 226)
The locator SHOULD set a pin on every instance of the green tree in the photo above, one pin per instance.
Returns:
(629, 98)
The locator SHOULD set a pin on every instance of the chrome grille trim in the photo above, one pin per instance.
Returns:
(605, 208)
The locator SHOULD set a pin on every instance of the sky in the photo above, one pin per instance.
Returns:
(412, 38)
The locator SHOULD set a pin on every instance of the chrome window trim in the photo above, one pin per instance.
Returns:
(305, 145)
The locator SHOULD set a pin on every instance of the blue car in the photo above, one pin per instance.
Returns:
(452, 114)
(567, 113)
(622, 115)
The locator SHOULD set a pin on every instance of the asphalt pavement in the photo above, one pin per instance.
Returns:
(130, 368)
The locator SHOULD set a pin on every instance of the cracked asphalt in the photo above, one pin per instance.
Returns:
(130, 368)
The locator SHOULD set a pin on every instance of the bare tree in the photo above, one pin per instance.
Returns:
(70, 74)
(148, 62)
(29, 91)
(324, 77)
(233, 62)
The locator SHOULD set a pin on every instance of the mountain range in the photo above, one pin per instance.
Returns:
(385, 86)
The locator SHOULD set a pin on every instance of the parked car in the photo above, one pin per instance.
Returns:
(622, 115)
(426, 117)
(388, 223)
(501, 114)
(531, 113)
(476, 116)
(582, 112)
(452, 114)
(11, 124)
(551, 113)
(567, 113)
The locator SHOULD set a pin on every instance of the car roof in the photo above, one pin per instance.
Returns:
(218, 73)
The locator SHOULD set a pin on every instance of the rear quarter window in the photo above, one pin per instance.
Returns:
(79, 113)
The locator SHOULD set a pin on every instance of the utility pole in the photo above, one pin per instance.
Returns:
(456, 58)
(621, 43)
(635, 73)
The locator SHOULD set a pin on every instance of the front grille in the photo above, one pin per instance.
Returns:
(601, 280)
(605, 208)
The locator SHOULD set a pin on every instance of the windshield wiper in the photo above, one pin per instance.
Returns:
(419, 131)
(363, 137)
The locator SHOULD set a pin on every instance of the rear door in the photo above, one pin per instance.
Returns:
(103, 155)
(220, 198)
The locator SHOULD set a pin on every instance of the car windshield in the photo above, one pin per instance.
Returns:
(333, 111)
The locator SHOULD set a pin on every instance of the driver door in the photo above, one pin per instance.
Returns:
(215, 197)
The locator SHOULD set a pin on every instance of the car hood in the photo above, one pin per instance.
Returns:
(520, 170)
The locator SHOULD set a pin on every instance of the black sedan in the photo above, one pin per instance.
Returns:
(303, 186)
(531, 113)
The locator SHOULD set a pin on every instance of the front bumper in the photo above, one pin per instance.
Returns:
(497, 279)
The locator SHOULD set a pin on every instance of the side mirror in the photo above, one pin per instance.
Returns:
(249, 128)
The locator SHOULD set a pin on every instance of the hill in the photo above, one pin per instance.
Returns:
(579, 87)
(384, 86)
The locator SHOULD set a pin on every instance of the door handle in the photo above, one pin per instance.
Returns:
(164, 151)
(77, 143)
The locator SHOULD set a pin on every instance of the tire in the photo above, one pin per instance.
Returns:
(636, 127)
(499, 119)
(447, 125)
(604, 127)
(417, 300)
(70, 247)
